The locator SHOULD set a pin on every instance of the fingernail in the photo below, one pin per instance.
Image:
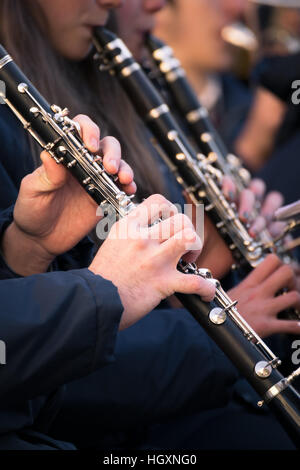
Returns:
(231, 195)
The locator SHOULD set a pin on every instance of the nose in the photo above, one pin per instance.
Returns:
(152, 6)
(110, 3)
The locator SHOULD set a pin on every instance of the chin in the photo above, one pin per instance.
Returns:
(140, 54)
(227, 63)
(222, 62)
(78, 53)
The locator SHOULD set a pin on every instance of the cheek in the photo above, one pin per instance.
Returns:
(65, 30)
(73, 44)
(62, 16)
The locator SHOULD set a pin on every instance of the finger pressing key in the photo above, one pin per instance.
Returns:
(111, 149)
(246, 206)
(90, 132)
(258, 187)
(272, 202)
(229, 188)
(125, 174)
(258, 225)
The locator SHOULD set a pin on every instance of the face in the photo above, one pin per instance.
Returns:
(70, 23)
(135, 19)
(193, 28)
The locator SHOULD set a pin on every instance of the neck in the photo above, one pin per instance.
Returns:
(197, 77)
(198, 81)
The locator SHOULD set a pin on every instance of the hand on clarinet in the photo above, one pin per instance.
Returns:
(145, 270)
(53, 212)
(246, 202)
(259, 303)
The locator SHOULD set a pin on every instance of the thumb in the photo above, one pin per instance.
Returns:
(193, 284)
(52, 175)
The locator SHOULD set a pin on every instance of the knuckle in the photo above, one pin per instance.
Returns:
(181, 220)
(287, 272)
(187, 222)
(195, 283)
(141, 243)
(162, 202)
(27, 178)
(80, 117)
(127, 168)
(157, 199)
(179, 240)
(295, 297)
(111, 140)
(189, 233)
(184, 237)
(209, 286)
(274, 260)
(95, 128)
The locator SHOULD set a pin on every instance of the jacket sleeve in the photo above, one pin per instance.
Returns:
(166, 366)
(54, 328)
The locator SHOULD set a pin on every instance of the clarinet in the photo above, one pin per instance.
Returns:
(194, 172)
(55, 132)
(194, 113)
(197, 119)
(207, 138)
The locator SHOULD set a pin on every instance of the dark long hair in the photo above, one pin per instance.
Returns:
(79, 86)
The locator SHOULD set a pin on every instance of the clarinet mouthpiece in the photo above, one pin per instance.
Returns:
(102, 37)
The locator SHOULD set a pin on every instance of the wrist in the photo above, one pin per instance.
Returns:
(22, 253)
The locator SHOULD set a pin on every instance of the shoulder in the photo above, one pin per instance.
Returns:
(236, 104)
(281, 173)
(235, 91)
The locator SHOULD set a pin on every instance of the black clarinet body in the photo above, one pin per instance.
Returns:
(286, 408)
(49, 126)
(194, 172)
(194, 113)
(57, 134)
(201, 128)
(204, 133)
